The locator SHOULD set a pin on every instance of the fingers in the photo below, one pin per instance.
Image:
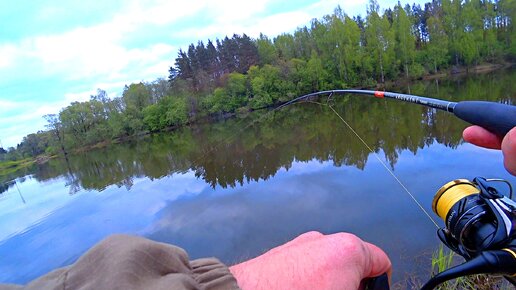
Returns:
(314, 261)
(370, 259)
(509, 151)
(378, 262)
(303, 238)
(481, 137)
(308, 236)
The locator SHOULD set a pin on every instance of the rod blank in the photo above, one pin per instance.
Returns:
(496, 117)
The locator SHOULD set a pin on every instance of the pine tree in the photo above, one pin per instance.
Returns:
(266, 51)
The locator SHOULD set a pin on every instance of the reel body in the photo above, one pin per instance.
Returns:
(480, 225)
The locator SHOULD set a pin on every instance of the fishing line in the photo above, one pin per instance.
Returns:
(385, 166)
(495, 117)
(237, 133)
(329, 101)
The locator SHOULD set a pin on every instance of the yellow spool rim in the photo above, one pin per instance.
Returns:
(442, 208)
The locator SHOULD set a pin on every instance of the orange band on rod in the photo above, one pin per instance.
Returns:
(379, 94)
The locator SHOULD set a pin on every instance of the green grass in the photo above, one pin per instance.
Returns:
(443, 259)
(8, 167)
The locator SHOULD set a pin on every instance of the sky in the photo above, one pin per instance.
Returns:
(56, 52)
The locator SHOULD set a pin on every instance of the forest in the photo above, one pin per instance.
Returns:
(214, 79)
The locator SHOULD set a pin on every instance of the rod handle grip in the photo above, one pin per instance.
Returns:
(376, 283)
(495, 117)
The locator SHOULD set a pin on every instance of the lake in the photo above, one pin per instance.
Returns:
(235, 188)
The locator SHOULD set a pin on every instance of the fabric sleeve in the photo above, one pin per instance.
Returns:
(130, 262)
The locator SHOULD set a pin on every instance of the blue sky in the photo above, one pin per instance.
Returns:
(56, 52)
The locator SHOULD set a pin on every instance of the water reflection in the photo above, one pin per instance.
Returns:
(225, 154)
(233, 191)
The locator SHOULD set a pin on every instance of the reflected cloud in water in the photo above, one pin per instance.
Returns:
(62, 227)
(289, 174)
(251, 219)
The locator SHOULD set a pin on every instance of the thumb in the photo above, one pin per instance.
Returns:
(509, 151)
(378, 262)
(481, 137)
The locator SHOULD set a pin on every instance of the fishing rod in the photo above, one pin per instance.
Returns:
(480, 221)
(495, 117)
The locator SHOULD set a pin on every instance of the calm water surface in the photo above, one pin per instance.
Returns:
(239, 187)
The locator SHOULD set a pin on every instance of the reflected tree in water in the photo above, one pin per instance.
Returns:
(254, 147)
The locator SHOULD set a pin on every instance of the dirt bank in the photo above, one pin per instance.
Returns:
(462, 70)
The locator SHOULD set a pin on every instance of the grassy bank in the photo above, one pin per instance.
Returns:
(10, 167)
(444, 259)
(464, 70)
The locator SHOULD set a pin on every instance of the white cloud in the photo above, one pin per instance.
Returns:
(90, 53)
(98, 52)
(160, 12)
(83, 59)
(240, 18)
(8, 53)
(32, 112)
(14, 133)
(235, 11)
(275, 24)
(270, 25)
(96, 55)
(80, 53)
(350, 7)
(7, 106)
(158, 68)
(79, 97)
(14, 127)
(301, 168)
(87, 52)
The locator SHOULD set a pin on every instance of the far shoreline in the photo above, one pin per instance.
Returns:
(464, 70)
(447, 73)
(452, 72)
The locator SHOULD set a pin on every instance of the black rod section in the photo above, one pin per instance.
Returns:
(428, 102)
(496, 117)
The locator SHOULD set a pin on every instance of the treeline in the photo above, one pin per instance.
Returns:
(225, 154)
(141, 107)
(240, 73)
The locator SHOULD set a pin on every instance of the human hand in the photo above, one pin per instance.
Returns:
(314, 261)
(483, 138)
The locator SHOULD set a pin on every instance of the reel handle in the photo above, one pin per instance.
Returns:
(376, 283)
(488, 262)
(511, 278)
(495, 117)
